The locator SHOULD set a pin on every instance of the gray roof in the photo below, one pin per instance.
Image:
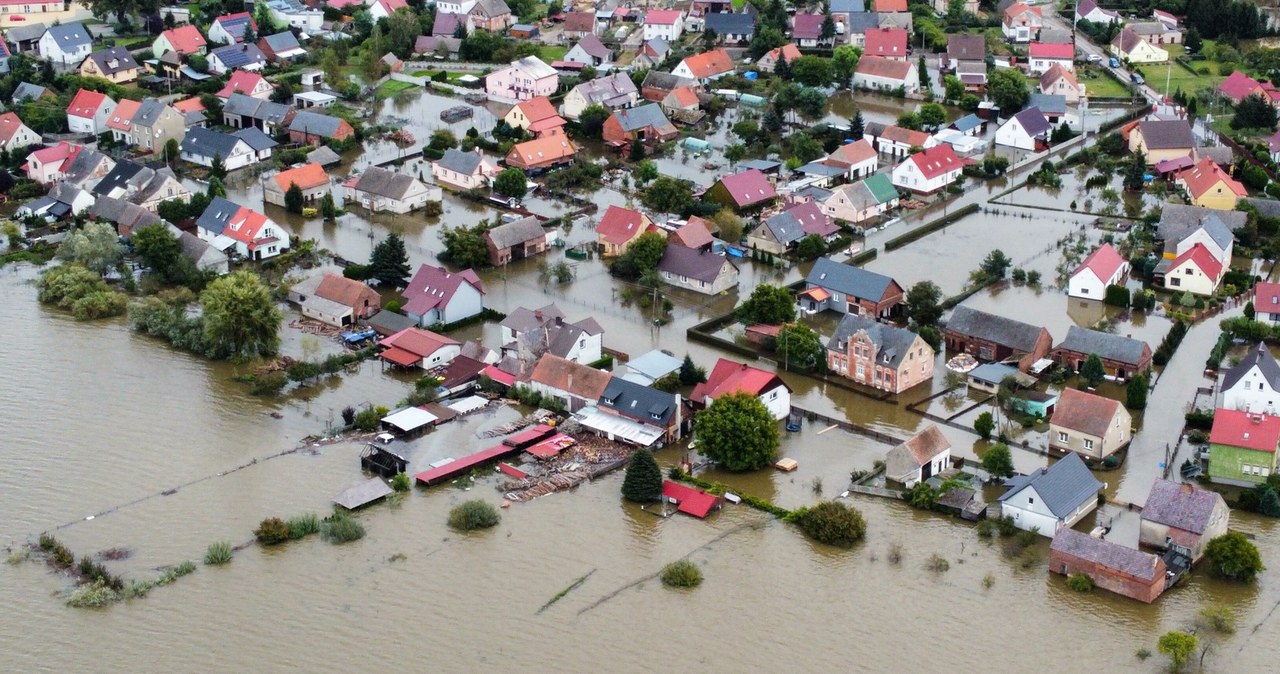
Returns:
(323, 156)
(70, 36)
(28, 91)
(84, 164)
(1050, 104)
(389, 323)
(665, 81)
(785, 228)
(731, 24)
(512, 233)
(613, 89)
(647, 367)
(1033, 121)
(120, 177)
(1004, 331)
(1105, 554)
(315, 123)
(197, 250)
(524, 319)
(1063, 486)
(818, 168)
(385, 183)
(639, 402)
(1181, 506)
(969, 121)
(1262, 359)
(491, 8)
(1106, 345)
(1167, 134)
(459, 161)
(149, 112)
(848, 279)
(209, 143)
(1178, 220)
(239, 55)
(594, 47)
(20, 33)
(692, 263)
(121, 212)
(282, 42)
(122, 57)
(893, 343)
(240, 104)
(861, 22)
(993, 373)
(966, 47)
(256, 108)
(848, 6)
(155, 181)
(645, 116)
(255, 138)
(217, 215)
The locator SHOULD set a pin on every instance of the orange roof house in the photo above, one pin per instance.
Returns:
(1211, 187)
(706, 66)
(619, 227)
(542, 153)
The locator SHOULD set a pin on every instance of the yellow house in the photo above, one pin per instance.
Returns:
(1162, 139)
(1129, 45)
(115, 64)
(1209, 186)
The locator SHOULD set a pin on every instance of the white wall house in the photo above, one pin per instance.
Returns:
(1104, 267)
(1060, 494)
(733, 377)
(68, 43)
(89, 112)
(667, 24)
(928, 171)
(1254, 384)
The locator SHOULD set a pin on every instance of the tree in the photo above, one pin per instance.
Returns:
(215, 189)
(811, 247)
(1135, 172)
(293, 198)
(642, 255)
(97, 247)
(591, 120)
(799, 347)
(262, 16)
(768, 304)
(1135, 393)
(728, 225)
(240, 317)
(442, 139)
(998, 461)
(813, 71)
(738, 432)
(909, 120)
(766, 38)
(157, 248)
(218, 169)
(1007, 88)
(828, 30)
(637, 150)
(922, 69)
(954, 87)
(171, 149)
(844, 60)
(1179, 646)
(643, 481)
(996, 264)
(984, 424)
(328, 208)
(690, 373)
(403, 30)
(668, 195)
(932, 115)
(1093, 371)
(1192, 41)
(1233, 556)
(856, 126)
(805, 148)
(645, 171)
(249, 36)
(735, 153)
(831, 522)
(389, 262)
(1254, 112)
(465, 246)
(924, 303)
(511, 183)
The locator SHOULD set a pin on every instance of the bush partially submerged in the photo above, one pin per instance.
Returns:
(472, 515)
(92, 595)
(681, 573)
(401, 482)
(219, 552)
(272, 531)
(831, 522)
(303, 525)
(1080, 582)
(341, 527)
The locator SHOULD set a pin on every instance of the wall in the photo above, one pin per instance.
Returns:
(1110, 579)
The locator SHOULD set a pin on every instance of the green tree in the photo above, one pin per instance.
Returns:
(828, 30)
(831, 522)
(922, 69)
(998, 461)
(171, 149)
(1192, 41)
(811, 247)
(805, 148)
(996, 264)
(768, 304)
(984, 425)
(1179, 646)
(641, 256)
(293, 198)
(728, 225)
(389, 262)
(690, 373)
(645, 171)
(218, 169)
(766, 38)
(158, 249)
(511, 183)
(591, 120)
(262, 16)
(1233, 556)
(799, 347)
(643, 481)
(932, 115)
(924, 303)
(442, 139)
(738, 432)
(909, 120)
(668, 195)
(96, 247)
(637, 150)
(1136, 393)
(1007, 88)
(327, 207)
(813, 71)
(465, 246)
(240, 317)
(856, 125)
(735, 153)
(1254, 112)
(844, 60)
(954, 87)
(1093, 371)
(1135, 171)
(249, 36)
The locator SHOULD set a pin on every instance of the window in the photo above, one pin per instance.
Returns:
(1062, 437)
(1088, 444)
(773, 395)
(1175, 281)
(1031, 500)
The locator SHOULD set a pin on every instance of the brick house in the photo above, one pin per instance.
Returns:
(879, 355)
(1122, 357)
(1111, 566)
(992, 338)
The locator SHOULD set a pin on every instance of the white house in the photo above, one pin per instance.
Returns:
(380, 190)
(920, 457)
(879, 73)
(463, 170)
(297, 15)
(436, 295)
(732, 377)
(1044, 55)
(251, 234)
(928, 171)
(1254, 384)
(1060, 494)
(667, 24)
(383, 9)
(1196, 271)
(1024, 130)
(230, 28)
(1266, 301)
(89, 112)
(1104, 267)
(49, 165)
(1088, 10)
(1022, 23)
(415, 347)
(67, 43)
(201, 146)
(14, 134)
(544, 330)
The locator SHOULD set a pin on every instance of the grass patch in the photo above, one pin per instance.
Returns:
(219, 552)
(341, 527)
(303, 525)
(175, 572)
(937, 564)
(93, 595)
(552, 52)
(272, 531)
(393, 87)
(472, 515)
(681, 573)
(1098, 84)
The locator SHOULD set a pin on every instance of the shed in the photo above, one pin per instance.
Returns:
(383, 460)
(408, 420)
(689, 500)
(362, 494)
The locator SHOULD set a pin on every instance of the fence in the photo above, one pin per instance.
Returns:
(847, 425)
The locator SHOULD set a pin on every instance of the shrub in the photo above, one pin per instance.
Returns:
(472, 515)
(937, 564)
(1233, 556)
(987, 528)
(831, 522)
(175, 572)
(93, 595)
(988, 581)
(303, 525)
(341, 527)
(1218, 619)
(1117, 296)
(401, 482)
(272, 531)
(681, 573)
(219, 552)
(1080, 582)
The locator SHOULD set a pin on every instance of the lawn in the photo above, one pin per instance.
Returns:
(1098, 84)
(393, 87)
(552, 52)
(1178, 77)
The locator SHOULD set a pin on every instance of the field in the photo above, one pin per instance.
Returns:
(1208, 73)
(1098, 84)
(552, 52)
(393, 87)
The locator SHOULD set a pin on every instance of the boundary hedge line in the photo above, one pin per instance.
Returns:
(929, 228)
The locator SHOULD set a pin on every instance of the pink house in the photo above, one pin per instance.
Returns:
(526, 78)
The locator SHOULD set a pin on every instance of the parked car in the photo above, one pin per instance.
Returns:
(1095, 58)
(1137, 79)
(1114, 62)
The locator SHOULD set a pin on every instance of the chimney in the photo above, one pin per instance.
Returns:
(1187, 488)
(559, 321)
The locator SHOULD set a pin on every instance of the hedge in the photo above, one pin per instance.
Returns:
(863, 257)
(929, 228)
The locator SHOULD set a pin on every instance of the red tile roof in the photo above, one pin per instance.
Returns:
(620, 225)
(1056, 72)
(347, 292)
(241, 81)
(749, 187)
(185, 39)
(192, 104)
(663, 17)
(684, 97)
(731, 377)
(63, 153)
(878, 66)
(694, 234)
(1200, 257)
(538, 109)
(691, 501)
(305, 177)
(421, 343)
(853, 153)
(1085, 412)
(122, 118)
(1103, 262)
(1049, 50)
(1242, 429)
(886, 43)
(1238, 86)
(709, 64)
(936, 161)
(890, 5)
(908, 137)
(1206, 175)
(86, 104)
(786, 52)
(1266, 297)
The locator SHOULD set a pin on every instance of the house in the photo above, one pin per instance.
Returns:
(335, 299)
(1027, 130)
(525, 78)
(529, 333)
(1088, 10)
(858, 202)
(928, 171)
(155, 124)
(732, 377)
(121, 121)
(847, 289)
(250, 84)
(920, 457)
(858, 25)
(383, 9)
(657, 85)
(1156, 32)
(731, 28)
(1166, 18)
(115, 64)
(611, 91)
(1122, 357)
(463, 170)
(1162, 139)
(1239, 86)
(697, 270)
(203, 146)
(787, 52)
(1061, 82)
(204, 256)
(1061, 494)
(415, 347)
(742, 191)
(236, 57)
(491, 15)
(281, 47)
(1253, 385)
(1021, 23)
(231, 28)
(436, 295)
(63, 201)
(966, 49)
(578, 25)
(140, 185)
(1181, 227)
(185, 40)
(876, 73)
(591, 51)
(1113, 567)
(48, 165)
(1134, 48)
(1196, 271)
(66, 43)
(651, 54)
(313, 128)
(1089, 425)
(448, 24)
(541, 153)
(781, 231)
(515, 241)
(89, 112)
(651, 366)
(575, 385)
(1242, 447)
(241, 111)
(858, 158)
(310, 178)
(806, 30)
(535, 115)
(1104, 267)
(681, 102)
(665, 24)
(645, 123)
(253, 235)
(380, 190)
(296, 14)
(440, 47)
(695, 234)
(1266, 302)
(705, 67)
(1043, 55)
(654, 416)
(25, 39)
(1208, 186)
(87, 168)
(886, 43)
(1182, 514)
(619, 227)
(879, 355)
(991, 338)
(896, 141)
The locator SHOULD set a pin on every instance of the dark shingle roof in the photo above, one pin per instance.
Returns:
(1063, 486)
(642, 117)
(1178, 220)
(1033, 121)
(692, 263)
(1004, 331)
(639, 402)
(240, 55)
(149, 112)
(1167, 134)
(385, 183)
(512, 233)
(255, 138)
(315, 123)
(1105, 553)
(217, 215)
(785, 228)
(122, 58)
(118, 177)
(1181, 506)
(281, 42)
(894, 343)
(848, 279)
(70, 36)
(731, 24)
(1106, 345)
(1260, 358)
(459, 161)
(209, 143)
